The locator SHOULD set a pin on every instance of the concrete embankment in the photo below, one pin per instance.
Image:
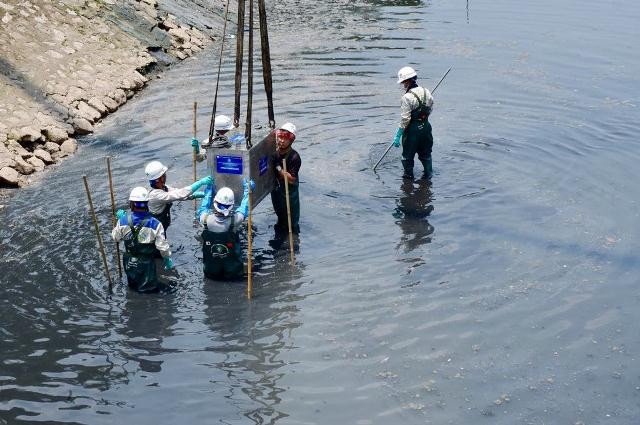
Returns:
(65, 64)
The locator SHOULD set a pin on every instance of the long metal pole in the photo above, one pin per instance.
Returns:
(95, 223)
(239, 57)
(286, 191)
(249, 248)
(113, 214)
(266, 61)
(432, 91)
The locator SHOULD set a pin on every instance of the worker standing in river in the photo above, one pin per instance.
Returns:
(161, 196)
(221, 250)
(285, 135)
(221, 127)
(142, 235)
(415, 130)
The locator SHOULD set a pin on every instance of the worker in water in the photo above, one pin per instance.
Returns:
(142, 235)
(161, 196)
(221, 251)
(285, 135)
(415, 130)
(221, 126)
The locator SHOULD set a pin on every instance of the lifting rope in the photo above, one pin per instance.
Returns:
(215, 98)
(266, 61)
(247, 128)
(266, 66)
(239, 56)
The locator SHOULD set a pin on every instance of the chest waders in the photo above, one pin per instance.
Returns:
(138, 262)
(164, 217)
(221, 253)
(417, 138)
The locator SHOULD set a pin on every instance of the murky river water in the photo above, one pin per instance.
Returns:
(506, 292)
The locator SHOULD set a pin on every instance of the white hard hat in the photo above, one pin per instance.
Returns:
(139, 194)
(406, 73)
(154, 170)
(224, 200)
(288, 127)
(222, 122)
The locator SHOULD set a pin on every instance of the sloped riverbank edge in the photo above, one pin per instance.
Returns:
(67, 64)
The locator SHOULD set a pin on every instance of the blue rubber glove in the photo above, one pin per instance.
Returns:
(120, 214)
(202, 182)
(197, 195)
(396, 141)
(168, 263)
(196, 146)
(244, 205)
(246, 187)
(205, 205)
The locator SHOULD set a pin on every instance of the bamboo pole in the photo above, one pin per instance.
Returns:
(249, 248)
(95, 223)
(286, 191)
(113, 214)
(195, 132)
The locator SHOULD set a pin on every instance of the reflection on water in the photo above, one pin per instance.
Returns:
(412, 211)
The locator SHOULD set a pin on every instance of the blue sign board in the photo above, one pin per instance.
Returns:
(228, 164)
(263, 165)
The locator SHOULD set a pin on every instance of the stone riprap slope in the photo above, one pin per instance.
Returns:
(65, 64)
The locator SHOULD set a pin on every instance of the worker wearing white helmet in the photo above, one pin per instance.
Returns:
(142, 235)
(221, 126)
(161, 196)
(285, 135)
(221, 250)
(414, 130)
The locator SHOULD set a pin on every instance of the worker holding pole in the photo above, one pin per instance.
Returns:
(415, 130)
(285, 135)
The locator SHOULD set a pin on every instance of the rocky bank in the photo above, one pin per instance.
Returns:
(65, 64)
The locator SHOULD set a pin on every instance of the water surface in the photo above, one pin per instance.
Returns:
(503, 292)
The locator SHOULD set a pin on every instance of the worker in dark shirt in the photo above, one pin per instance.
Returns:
(285, 135)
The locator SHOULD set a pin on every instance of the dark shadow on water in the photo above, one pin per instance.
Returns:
(413, 208)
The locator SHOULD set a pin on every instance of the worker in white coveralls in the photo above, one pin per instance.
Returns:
(143, 235)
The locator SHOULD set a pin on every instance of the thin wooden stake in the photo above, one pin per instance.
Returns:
(249, 248)
(113, 214)
(195, 132)
(95, 223)
(286, 191)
